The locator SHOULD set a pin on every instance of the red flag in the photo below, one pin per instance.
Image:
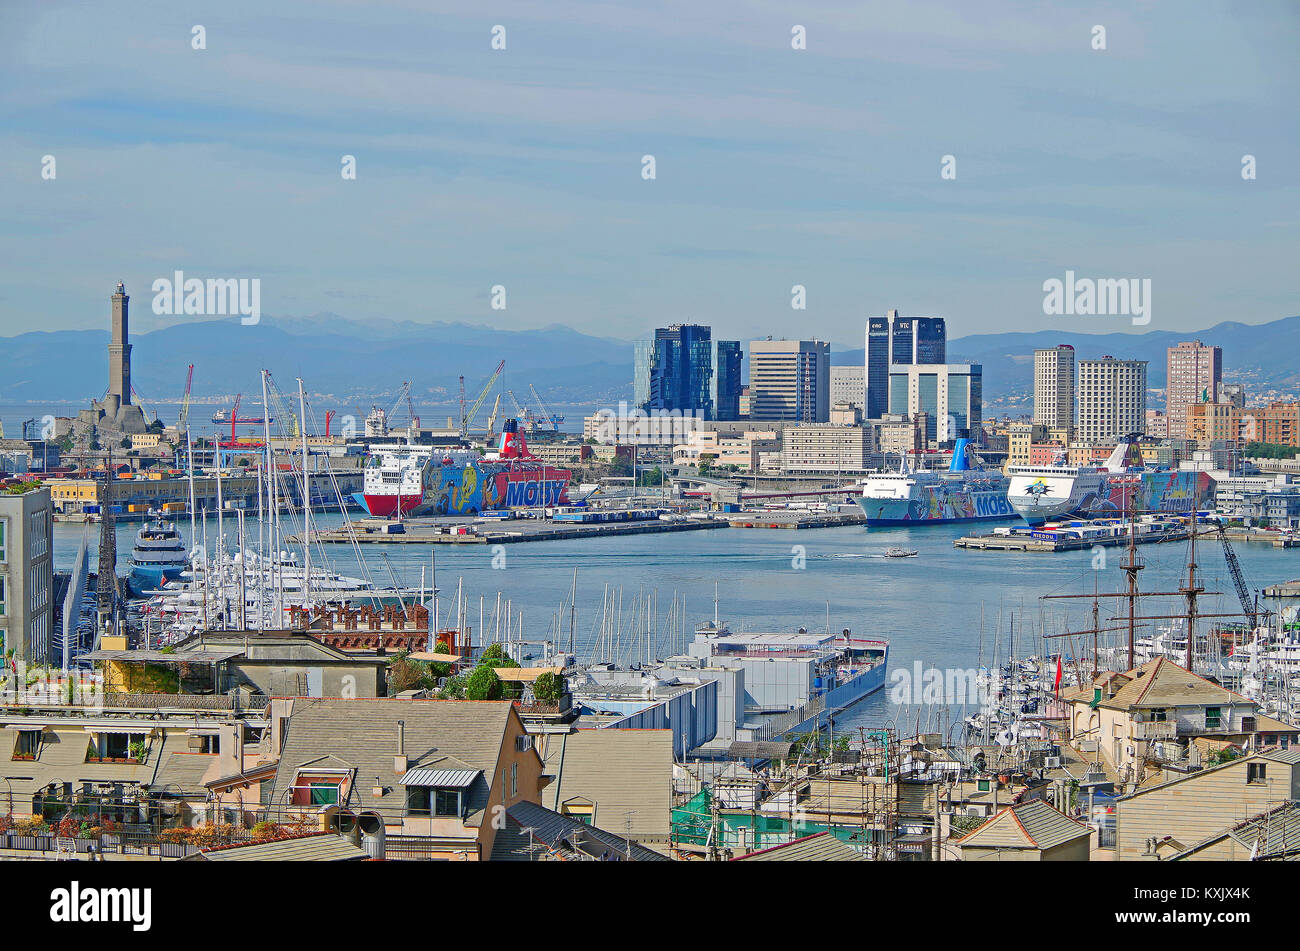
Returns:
(1057, 686)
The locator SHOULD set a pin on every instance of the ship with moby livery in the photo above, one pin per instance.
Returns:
(965, 492)
(413, 479)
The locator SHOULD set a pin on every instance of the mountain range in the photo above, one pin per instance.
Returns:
(357, 362)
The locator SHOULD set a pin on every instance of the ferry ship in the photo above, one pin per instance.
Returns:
(157, 557)
(1120, 484)
(966, 492)
(410, 479)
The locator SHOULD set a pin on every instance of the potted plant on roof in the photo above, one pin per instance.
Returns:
(136, 749)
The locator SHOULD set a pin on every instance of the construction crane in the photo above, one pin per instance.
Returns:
(1248, 606)
(467, 418)
(492, 418)
(546, 416)
(182, 422)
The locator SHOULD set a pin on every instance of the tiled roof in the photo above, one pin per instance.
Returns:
(318, 847)
(628, 774)
(821, 847)
(551, 829)
(361, 735)
(1162, 683)
(1032, 824)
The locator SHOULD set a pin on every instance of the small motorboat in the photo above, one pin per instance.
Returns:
(901, 552)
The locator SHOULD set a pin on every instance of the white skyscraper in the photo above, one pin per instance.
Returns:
(1054, 387)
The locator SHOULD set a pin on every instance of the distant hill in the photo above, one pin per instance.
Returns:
(347, 359)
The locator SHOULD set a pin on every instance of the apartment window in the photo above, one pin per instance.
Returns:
(3, 579)
(29, 742)
(1159, 716)
(514, 780)
(1256, 773)
(431, 801)
(3, 538)
(1213, 718)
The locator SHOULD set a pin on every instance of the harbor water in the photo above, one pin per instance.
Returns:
(929, 606)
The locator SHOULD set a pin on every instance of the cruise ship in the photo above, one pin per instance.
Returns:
(1042, 493)
(412, 479)
(965, 492)
(157, 557)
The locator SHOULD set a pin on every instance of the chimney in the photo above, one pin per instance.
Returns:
(399, 761)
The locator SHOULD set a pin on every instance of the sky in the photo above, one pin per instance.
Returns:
(773, 166)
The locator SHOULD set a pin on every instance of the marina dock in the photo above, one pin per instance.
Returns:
(1086, 535)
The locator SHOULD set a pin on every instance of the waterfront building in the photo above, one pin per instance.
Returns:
(949, 394)
(1112, 398)
(825, 449)
(1020, 437)
(789, 380)
(724, 449)
(849, 385)
(1193, 374)
(901, 434)
(1054, 386)
(27, 575)
(893, 340)
(674, 370)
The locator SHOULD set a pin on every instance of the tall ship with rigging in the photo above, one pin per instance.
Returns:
(415, 479)
(965, 492)
(1119, 485)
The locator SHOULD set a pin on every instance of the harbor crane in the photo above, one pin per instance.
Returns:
(467, 418)
(492, 418)
(1248, 606)
(525, 415)
(546, 416)
(182, 422)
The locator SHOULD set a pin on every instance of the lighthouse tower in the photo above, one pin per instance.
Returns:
(116, 411)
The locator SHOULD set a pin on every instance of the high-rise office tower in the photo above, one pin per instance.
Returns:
(674, 370)
(1054, 386)
(1192, 375)
(1112, 398)
(790, 380)
(893, 340)
(951, 396)
(726, 381)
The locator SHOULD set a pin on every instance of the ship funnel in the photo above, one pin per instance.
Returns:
(513, 444)
(961, 456)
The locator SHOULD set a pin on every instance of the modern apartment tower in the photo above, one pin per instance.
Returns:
(894, 340)
(1112, 399)
(789, 380)
(674, 370)
(1193, 375)
(727, 380)
(1054, 387)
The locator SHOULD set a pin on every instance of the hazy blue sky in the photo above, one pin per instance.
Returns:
(775, 167)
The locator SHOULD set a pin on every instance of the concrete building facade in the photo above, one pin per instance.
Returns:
(27, 576)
